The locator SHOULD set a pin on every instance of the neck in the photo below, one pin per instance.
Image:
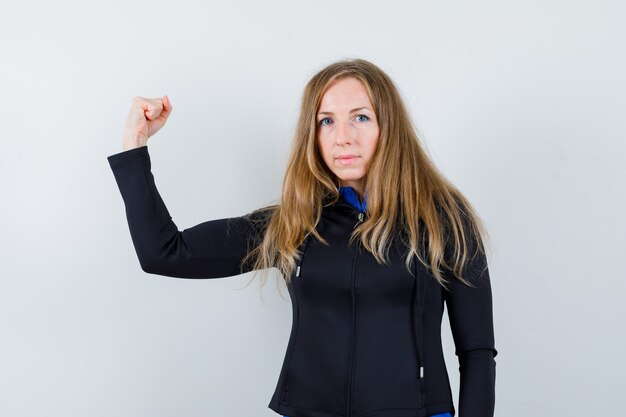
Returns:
(356, 186)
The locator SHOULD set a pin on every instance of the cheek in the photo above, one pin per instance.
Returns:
(373, 142)
(324, 150)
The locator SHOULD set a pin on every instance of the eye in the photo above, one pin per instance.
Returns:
(322, 121)
(362, 115)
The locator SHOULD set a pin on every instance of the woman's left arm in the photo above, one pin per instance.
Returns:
(471, 321)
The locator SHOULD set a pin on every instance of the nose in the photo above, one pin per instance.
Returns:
(343, 133)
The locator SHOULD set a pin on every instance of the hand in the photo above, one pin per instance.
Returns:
(146, 117)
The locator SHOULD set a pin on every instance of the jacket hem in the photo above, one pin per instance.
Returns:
(300, 412)
(429, 410)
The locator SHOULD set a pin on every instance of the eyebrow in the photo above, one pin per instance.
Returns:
(351, 111)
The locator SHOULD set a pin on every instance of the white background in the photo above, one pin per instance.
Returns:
(521, 104)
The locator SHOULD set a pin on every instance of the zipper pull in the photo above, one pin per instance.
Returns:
(361, 215)
(421, 372)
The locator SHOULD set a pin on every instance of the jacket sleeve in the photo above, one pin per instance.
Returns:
(471, 322)
(213, 249)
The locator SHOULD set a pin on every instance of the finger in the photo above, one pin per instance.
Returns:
(167, 103)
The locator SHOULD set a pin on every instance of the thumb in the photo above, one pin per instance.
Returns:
(153, 109)
(150, 113)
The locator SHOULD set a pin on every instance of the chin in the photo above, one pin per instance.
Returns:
(354, 178)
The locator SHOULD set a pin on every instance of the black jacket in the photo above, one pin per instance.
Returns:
(365, 338)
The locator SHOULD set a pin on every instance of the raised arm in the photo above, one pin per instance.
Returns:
(471, 321)
(213, 249)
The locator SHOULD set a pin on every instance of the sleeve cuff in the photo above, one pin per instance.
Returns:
(130, 154)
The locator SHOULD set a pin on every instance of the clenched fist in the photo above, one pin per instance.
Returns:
(145, 118)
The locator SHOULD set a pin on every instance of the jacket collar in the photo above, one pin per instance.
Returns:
(350, 195)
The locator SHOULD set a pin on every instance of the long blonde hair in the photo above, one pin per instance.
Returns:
(406, 193)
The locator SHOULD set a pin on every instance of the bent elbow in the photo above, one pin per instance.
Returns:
(150, 265)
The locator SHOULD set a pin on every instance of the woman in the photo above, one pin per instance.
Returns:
(371, 240)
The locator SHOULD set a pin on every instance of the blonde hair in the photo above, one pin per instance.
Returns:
(406, 193)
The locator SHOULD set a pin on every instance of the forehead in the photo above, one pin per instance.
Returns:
(345, 92)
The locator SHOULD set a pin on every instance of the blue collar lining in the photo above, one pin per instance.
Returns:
(352, 197)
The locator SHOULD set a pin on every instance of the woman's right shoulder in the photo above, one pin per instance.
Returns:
(259, 218)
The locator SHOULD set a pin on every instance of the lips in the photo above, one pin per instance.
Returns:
(346, 159)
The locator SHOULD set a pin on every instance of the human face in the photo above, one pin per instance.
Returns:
(347, 131)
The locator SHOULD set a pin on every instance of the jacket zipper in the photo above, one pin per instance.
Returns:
(361, 215)
(350, 384)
